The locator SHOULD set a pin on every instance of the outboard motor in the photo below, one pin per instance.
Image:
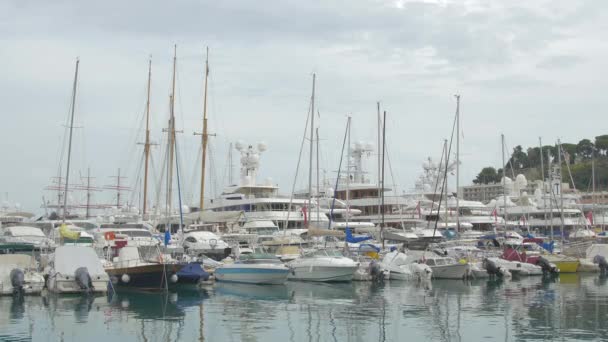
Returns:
(376, 272)
(601, 262)
(491, 267)
(83, 279)
(17, 280)
(547, 267)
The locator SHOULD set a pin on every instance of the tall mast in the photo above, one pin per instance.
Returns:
(444, 186)
(542, 178)
(551, 196)
(379, 155)
(67, 172)
(348, 173)
(318, 196)
(593, 188)
(205, 136)
(147, 143)
(457, 163)
(561, 192)
(312, 130)
(504, 181)
(383, 153)
(171, 142)
(230, 165)
(87, 215)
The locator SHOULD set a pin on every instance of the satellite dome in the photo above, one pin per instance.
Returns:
(239, 145)
(262, 147)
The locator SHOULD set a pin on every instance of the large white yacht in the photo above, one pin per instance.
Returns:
(262, 202)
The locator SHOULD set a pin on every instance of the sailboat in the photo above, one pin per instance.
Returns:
(74, 268)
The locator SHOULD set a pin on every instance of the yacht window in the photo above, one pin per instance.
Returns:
(430, 262)
(190, 239)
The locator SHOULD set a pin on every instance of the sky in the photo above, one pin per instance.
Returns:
(525, 69)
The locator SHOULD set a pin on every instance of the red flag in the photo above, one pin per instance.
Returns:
(590, 217)
(305, 216)
(495, 214)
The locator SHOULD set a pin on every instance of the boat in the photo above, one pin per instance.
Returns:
(207, 243)
(446, 267)
(26, 235)
(398, 267)
(19, 275)
(255, 268)
(148, 270)
(76, 269)
(565, 264)
(323, 266)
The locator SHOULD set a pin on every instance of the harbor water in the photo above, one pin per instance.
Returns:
(569, 307)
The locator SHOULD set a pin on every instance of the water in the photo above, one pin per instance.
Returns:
(572, 307)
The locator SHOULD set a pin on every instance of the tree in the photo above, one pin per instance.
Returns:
(487, 175)
(601, 143)
(585, 149)
(534, 157)
(569, 153)
(519, 159)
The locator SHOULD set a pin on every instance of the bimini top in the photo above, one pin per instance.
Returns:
(69, 258)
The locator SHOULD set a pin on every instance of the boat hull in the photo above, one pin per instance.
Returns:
(70, 286)
(322, 273)
(252, 275)
(151, 277)
(453, 271)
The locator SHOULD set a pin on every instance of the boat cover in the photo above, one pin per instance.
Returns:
(69, 258)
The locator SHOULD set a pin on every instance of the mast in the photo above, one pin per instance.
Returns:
(561, 192)
(383, 153)
(318, 192)
(147, 143)
(230, 165)
(312, 130)
(348, 172)
(542, 177)
(444, 186)
(504, 181)
(551, 195)
(457, 164)
(67, 172)
(88, 192)
(593, 189)
(171, 142)
(379, 155)
(205, 136)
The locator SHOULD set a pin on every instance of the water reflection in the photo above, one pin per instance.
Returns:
(568, 307)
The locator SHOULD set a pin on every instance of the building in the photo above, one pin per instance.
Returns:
(481, 192)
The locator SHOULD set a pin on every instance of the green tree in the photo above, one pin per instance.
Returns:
(488, 175)
(585, 149)
(601, 143)
(519, 159)
(569, 153)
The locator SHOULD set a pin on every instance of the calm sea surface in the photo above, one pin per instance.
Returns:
(571, 307)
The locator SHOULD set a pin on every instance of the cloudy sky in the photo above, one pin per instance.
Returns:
(523, 68)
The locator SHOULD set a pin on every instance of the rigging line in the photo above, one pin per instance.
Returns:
(333, 202)
(439, 171)
(445, 177)
(295, 178)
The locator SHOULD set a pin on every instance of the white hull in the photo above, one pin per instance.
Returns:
(518, 268)
(252, 274)
(453, 271)
(322, 273)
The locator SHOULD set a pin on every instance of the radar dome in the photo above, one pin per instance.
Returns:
(262, 146)
(239, 145)
(369, 146)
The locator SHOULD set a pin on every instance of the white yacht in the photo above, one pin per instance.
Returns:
(19, 274)
(262, 202)
(76, 269)
(26, 235)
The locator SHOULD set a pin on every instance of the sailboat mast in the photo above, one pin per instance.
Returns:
(348, 172)
(312, 130)
(542, 178)
(171, 143)
(147, 143)
(87, 214)
(561, 191)
(379, 154)
(504, 182)
(318, 196)
(205, 136)
(383, 153)
(593, 188)
(457, 163)
(67, 173)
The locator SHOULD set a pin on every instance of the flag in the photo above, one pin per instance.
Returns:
(305, 215)
(495, 214)
(590, 217)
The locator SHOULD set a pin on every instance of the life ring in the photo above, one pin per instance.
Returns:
(109, 236)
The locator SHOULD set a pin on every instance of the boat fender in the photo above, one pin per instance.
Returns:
(17, 279)
(174, 278)
(125, 278)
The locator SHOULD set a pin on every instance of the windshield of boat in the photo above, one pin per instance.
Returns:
(256, 258)
(328, 253)
(135, 233)
(263, 230)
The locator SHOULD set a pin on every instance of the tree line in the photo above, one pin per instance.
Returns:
(578, 157)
